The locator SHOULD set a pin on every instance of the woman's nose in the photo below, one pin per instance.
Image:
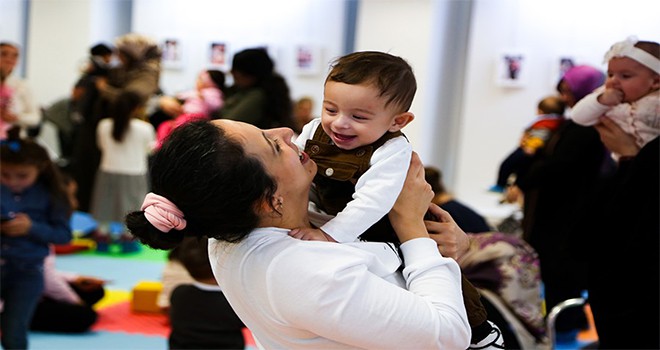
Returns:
(284, 133)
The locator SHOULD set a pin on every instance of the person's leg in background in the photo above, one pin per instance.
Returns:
(21, 287)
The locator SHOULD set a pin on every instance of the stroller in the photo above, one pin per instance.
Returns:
(505, 270)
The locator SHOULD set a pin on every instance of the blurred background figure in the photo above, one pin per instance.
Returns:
(67, 301)
(549, 115)
(200, 315)
(138, 72)
(466, 218)
(35, 210)
(303, 112)
(201, 102)
(18, 110)
(259, 96)
(125, 140)
(558, 185)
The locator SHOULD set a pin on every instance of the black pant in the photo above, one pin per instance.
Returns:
(58, 316)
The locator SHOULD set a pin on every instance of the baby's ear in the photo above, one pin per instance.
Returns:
(400, 121)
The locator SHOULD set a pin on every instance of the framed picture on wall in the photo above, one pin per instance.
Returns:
(172, 54)
(218, 55)
(511, 69)
(308, 59)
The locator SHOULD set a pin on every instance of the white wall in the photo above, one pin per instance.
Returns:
(402, 28)
(58, 41)
(243, 24)
(493, 117)
(432, 36)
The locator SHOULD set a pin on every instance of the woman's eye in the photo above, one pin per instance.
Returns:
(278, 147)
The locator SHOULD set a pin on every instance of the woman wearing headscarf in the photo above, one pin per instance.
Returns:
(138, 72)
(557, 187)
(259, 96)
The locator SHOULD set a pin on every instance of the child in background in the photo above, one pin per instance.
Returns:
(35, 212)
(302, 113)
(17, 107)
(200, 315)
(199, 103)
(125, 141)
(550, 114)
(67, 302)
(363, 158)
(631, 94)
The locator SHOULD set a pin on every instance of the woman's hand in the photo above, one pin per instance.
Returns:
(615, 139)
(408, 212)
(452, 241)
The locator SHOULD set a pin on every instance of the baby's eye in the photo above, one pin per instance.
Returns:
(359, 117)
(330, 110)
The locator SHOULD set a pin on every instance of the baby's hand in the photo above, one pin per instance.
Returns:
(310, 234)
(611, 97)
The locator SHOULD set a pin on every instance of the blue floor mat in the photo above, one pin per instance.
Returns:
(95, 340)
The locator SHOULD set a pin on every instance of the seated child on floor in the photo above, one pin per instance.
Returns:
(200, 315)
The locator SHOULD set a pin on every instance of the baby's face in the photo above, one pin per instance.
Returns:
(631, 77)
(355, 115)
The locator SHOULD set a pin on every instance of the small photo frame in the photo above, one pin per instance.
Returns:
(172, 54)
(308, 59)
(218, 55)
(511, 69)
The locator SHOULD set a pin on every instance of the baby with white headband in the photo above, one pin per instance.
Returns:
(631, 95)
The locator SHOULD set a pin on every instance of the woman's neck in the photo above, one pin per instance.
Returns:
(288, 217)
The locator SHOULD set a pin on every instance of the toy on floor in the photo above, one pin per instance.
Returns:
(115, 241)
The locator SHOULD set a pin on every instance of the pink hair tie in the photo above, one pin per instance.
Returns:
(162, 213)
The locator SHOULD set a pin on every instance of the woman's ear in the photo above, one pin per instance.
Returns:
(273, 206)
(400, 121)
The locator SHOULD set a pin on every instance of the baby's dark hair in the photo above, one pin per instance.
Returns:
(552, 105)
(27, 152)
(392, 75)
(211, 179)
(650, 47)
(194, 256)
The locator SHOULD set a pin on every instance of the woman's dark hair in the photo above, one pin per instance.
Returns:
(278, 109)
(27, 152)
(122, 111)
(211, 179)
